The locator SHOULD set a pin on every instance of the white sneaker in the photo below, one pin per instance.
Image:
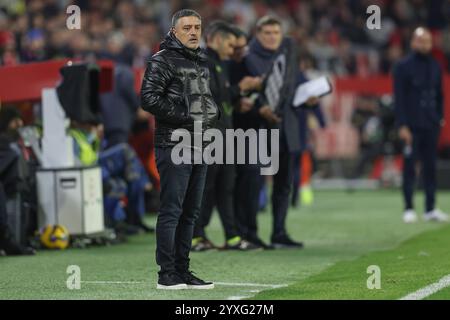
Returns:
(436, 215)
(409, 216)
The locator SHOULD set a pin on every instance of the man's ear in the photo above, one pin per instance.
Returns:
(172, 30)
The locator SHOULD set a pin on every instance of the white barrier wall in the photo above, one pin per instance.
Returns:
(57, 146)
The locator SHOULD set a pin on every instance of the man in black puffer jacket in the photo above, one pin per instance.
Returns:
(176, 91)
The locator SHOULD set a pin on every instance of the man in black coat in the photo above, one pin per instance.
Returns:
(419, 116)
(271, 53)
(245, 116)
(7, 242)
(220, 179)
(176, 91)
(267, 46)
(13, 176)
(119, 107)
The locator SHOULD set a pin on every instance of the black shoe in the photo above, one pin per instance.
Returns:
(194, 282)
(286, 242)
(137, 221)
(202, 244)
(171, 281)
(10, 247)
(126, 229)
(146, 228)
(14, 249)
(242, 245)
(259, 243)
(114, 237)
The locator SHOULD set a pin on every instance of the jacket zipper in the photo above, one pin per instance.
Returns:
(199, 80)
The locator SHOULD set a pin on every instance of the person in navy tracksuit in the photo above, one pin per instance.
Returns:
(419, 116)
(303, 125)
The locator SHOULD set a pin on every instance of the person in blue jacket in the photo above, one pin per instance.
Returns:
(419, 116)
(303, 114)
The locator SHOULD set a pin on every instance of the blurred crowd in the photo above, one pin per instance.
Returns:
(331, 37)
(334, 33)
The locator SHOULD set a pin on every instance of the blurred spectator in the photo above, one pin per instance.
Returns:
(123, 177)
(335, 31)
(119, 106)
(366, 118)
(7, 243)
(15, 178)
(303, 158)
(419, 110)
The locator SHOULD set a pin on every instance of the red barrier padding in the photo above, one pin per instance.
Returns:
(25, 82)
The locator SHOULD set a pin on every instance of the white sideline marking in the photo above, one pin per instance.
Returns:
(429, 290)
(238, 297)
(230, 284)
(113, 282)
(246, 284)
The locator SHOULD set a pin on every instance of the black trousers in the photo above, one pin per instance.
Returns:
(3, 214)
(424, 149)
(282, 182)
(219, 188)
(181, 197)
(248, 186)
(296, 177)
(246, 196)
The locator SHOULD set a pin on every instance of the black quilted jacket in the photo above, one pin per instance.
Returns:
(175, 89)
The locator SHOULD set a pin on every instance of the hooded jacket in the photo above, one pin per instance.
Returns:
(175, 89)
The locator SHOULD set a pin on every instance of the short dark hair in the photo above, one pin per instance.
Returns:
(184, 13)
(239, 32)
(266, 21)
(219, 27)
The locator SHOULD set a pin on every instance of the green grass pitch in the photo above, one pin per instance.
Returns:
(344, 233)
